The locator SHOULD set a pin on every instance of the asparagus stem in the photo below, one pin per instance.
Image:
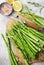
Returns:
(11, 56)
(27, 10)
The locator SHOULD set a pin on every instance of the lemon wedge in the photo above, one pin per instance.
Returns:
(10, 1)
(17, 6)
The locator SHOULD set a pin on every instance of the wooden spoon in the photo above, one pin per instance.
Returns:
(30, 23)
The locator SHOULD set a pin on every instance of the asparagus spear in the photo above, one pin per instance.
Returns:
(35, 16)
(11, 56)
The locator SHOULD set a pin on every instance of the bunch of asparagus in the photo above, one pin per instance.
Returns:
(38, 20)
(28, 40)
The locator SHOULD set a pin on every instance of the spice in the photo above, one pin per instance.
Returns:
(6, 9)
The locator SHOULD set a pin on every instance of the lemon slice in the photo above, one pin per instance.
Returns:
(10, 1)
(17, 6)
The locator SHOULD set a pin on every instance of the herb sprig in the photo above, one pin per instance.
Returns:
(37, 5)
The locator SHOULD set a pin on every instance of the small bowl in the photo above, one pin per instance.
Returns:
(6, 8)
